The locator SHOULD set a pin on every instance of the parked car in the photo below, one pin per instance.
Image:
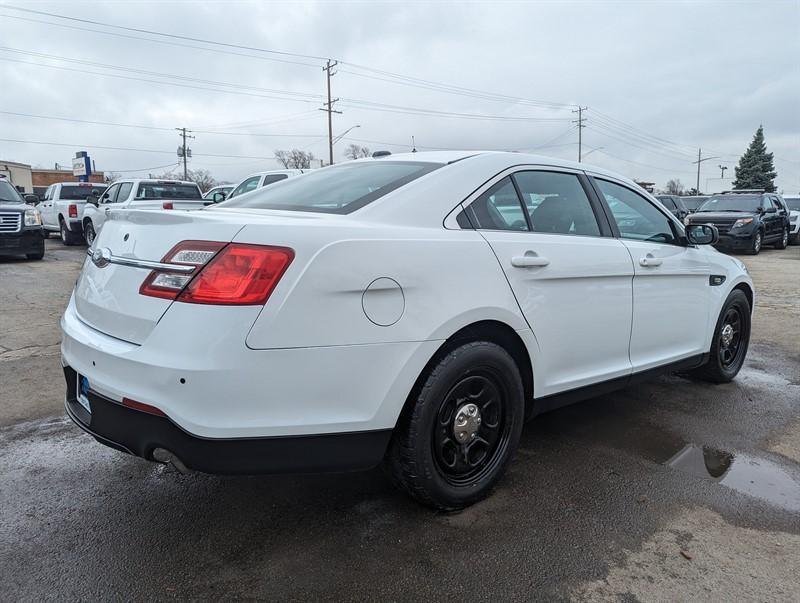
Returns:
(62, 209)
(140, 194)
(746, 219)
(20, 224)
(387, 309)
(691, 203)
(255, 181)
(793, 205)
(218, 193)
(674, 204)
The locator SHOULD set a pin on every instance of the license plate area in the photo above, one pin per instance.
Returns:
(82, 392)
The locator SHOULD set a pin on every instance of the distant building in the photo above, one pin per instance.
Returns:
(33, 180)
(44, 178)
(18, 174)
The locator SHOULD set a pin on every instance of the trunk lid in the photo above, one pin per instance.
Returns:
(107, 298)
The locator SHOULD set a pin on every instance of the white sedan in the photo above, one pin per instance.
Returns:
(413, 309)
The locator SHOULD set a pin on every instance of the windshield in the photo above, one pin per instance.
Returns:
(337, 190)
(79, 193)
(748, 203)
(792, 203)
(692, 203)
(167, 190)
(9, 193)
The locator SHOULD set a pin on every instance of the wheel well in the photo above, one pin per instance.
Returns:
(486, 330)
(748, 292)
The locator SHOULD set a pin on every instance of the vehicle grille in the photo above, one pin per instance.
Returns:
(722, 227)
(10, 221)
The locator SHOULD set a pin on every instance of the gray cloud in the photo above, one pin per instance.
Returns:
(702, 74)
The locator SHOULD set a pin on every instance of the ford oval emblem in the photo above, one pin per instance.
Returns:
(101, 257)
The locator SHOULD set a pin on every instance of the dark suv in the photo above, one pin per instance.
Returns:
(675, 205)
(20, 225)
(746, 219)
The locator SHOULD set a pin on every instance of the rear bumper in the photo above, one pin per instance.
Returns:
(30, 240)
(140, 433)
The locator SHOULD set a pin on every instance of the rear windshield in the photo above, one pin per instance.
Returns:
(747, 203)
(692, 203)
(338, 190)
(793, 203)
(79, 193)
(165, 190)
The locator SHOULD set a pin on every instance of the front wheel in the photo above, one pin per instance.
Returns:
(88, 233)
(731, 339)
(755, 244)
(452, 446)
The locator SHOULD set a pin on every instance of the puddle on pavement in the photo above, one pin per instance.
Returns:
(756, 477)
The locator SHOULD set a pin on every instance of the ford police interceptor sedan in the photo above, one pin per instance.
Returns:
(411, 309)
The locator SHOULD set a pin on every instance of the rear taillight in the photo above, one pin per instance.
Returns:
(143, 407)
(167, 205)
(225, 274)
(73, 210)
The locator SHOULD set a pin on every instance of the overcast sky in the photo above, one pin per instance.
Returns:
(660, 79)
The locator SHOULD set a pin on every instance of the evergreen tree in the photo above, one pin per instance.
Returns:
(755, 169)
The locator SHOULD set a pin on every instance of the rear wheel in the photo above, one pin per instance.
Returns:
(755, 244)
(731, 339)
(38, 255)
(455, 442)
(67, 236)
(784, 240)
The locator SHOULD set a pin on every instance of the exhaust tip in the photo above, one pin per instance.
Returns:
(162, 455)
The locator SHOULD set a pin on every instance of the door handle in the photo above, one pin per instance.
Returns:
(649, 261)
(529, 260)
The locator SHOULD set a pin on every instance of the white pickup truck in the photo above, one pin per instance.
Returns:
(140, 194)
(63, 206)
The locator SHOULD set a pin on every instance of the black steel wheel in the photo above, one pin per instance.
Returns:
(460, 427)
(730, 343)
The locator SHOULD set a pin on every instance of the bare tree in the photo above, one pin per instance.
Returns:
(112, 176)
(674, 187)
(202, 178)
(294, 159)
(355, 151)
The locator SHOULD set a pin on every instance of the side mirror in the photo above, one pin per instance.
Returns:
(31, 199)
(702, 234)
(771, 210)
(218, 197)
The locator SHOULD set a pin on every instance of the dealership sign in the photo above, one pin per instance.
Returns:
(82, 166)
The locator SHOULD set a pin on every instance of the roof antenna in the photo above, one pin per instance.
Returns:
(413, 145)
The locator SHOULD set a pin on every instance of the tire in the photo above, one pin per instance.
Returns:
(794, 239)
(784, 240)
(89, 233)
(425, 455)
(35, 256)
(45, 233)
(725, 361)
(67, 237)
(755, 244)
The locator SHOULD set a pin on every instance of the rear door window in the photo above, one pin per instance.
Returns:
(272, 178)
(557, 203)
(248, 185)
(124, 191)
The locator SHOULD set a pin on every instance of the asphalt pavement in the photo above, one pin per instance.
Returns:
(609, 499)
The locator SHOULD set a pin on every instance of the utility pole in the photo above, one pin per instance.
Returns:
(722, 171)
(700, 159)
(183, 151)
(329, 106)
(580, 121)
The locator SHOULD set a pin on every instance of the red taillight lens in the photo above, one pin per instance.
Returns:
(167, 205)
(73, 211)
(226, 274)
(239, 275)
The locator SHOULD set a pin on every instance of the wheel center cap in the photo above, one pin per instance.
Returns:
(466, 423)
(727, 335)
